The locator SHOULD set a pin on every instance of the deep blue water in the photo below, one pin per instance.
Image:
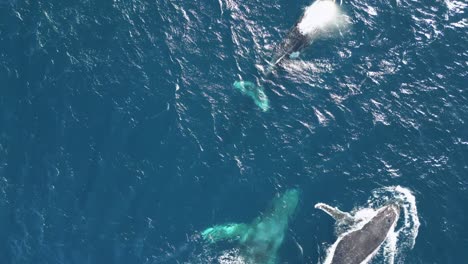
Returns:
(121, 135)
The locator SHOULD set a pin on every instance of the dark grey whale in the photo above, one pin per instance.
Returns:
(295, 41)
(360, 245)
(315, 17)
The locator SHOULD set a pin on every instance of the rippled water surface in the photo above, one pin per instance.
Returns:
(122, 137)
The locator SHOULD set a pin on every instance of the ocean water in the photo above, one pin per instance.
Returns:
(122, 137)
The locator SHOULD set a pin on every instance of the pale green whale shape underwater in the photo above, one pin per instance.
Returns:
(261, 239)
(255, 92)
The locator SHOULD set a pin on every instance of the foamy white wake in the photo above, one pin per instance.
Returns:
(402, 237)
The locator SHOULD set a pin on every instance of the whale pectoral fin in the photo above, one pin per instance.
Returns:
(336, 213)
(294, 55)
(224, 232)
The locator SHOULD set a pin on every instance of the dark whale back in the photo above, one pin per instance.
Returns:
(357, 245)
(294, 41)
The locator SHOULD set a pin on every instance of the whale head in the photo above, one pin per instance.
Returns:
(386, 217)
(362, 242)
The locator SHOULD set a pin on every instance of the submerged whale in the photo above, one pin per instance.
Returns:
(254, 92)
(261, 239)
(316, 17)
(360, 245)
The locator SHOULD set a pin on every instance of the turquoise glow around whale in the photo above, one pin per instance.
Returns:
(255, 92)
(261, 239)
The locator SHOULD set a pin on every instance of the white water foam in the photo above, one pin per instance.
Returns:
(210, 255)
(402, 237)
(231, 257)
(318, 16)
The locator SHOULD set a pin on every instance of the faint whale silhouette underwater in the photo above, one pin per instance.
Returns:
(261, 239)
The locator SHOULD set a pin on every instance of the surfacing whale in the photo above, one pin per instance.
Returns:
(360, 245)
(316, 17)
(259, 240)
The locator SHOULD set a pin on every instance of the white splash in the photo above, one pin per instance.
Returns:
(411, 225)
(318, 16)
(403, 238)
(231, 257)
